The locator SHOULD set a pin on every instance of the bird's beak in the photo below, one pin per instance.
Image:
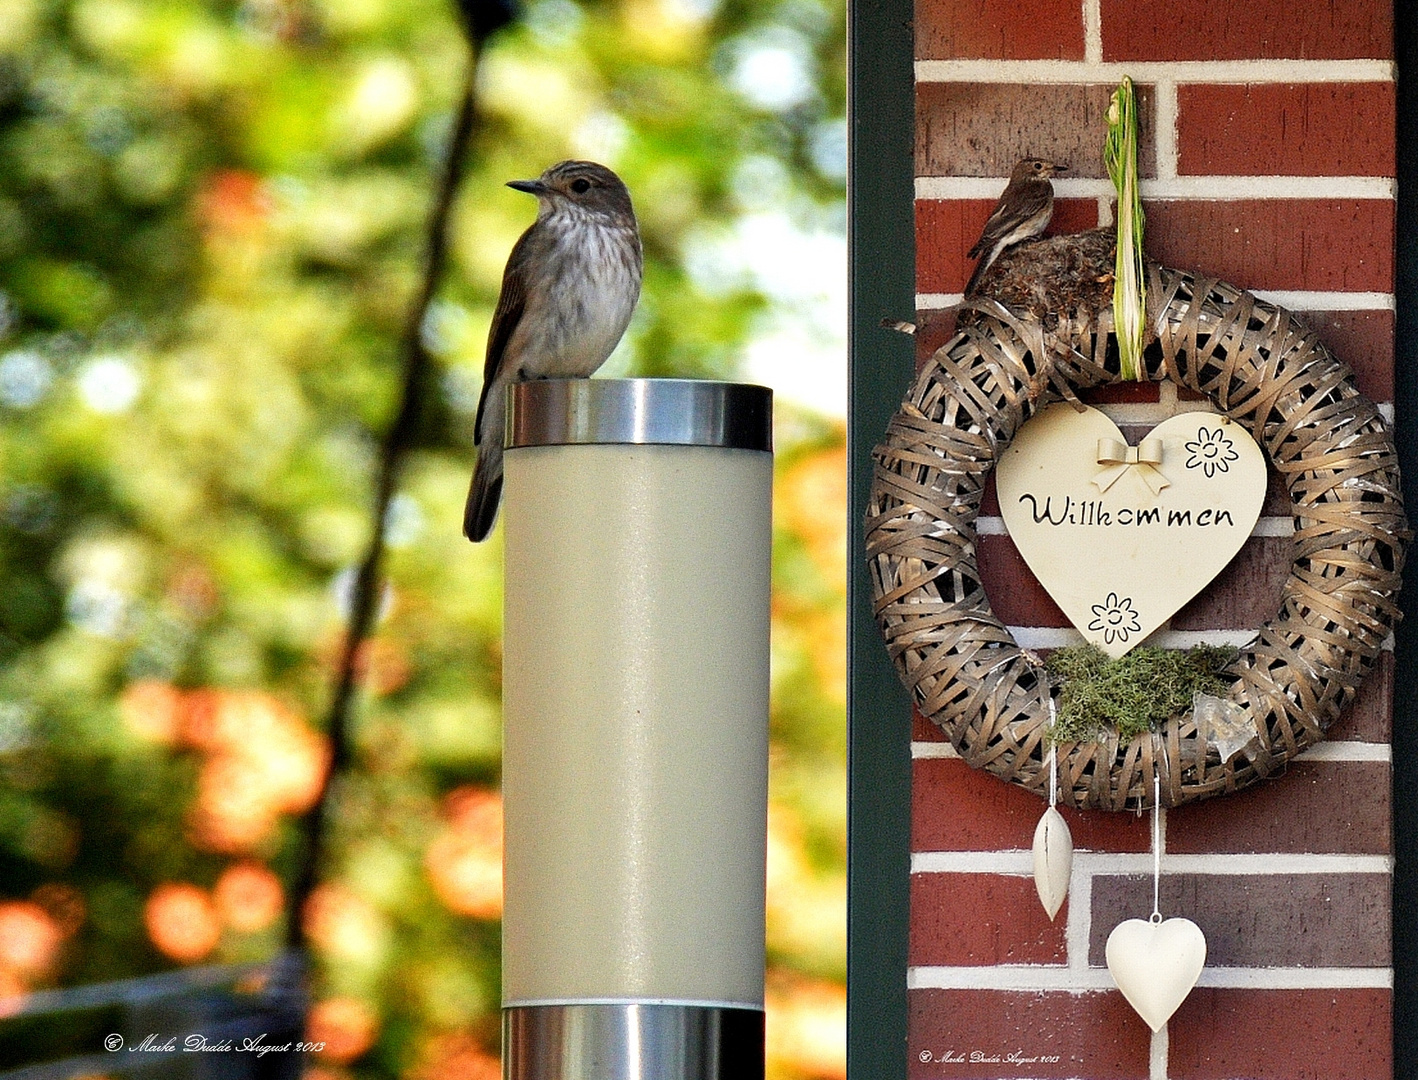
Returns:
(1060, 168)
(531, 187)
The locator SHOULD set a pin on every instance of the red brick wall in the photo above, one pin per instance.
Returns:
(1268, 159)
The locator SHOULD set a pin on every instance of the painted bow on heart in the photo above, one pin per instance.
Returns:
(1117, 457)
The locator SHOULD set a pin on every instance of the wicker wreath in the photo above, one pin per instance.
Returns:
(1259, 366)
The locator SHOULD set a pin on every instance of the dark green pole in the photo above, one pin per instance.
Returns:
(1405, 696)
(881, 234)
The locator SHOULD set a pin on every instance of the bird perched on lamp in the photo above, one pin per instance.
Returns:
(568, 292)
(1023, 212)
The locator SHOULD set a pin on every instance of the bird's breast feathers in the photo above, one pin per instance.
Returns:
(588, 297)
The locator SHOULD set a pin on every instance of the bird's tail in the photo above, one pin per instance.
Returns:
(480, 513)
(986, 261)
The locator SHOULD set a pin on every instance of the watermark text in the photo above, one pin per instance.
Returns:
(200, 1044)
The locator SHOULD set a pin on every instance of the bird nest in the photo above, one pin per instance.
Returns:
(1259, 366)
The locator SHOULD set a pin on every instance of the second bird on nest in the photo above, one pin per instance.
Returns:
(1023, 212)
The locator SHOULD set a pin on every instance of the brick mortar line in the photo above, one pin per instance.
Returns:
(1348, 750)
(1153, 71)
(1043, 978)
(1210, 187)
(1338, 750)
(1078, 930)
(1020, 863)
(1056, 637)
(1157, 1055)
(1300, 300)
(1165, 129)
(1239, 978)
(1092, 31)
(1292, 299)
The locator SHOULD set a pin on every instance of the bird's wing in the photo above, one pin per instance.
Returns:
(511, 302)
(1014, 207)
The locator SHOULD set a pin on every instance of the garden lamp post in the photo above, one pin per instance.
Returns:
(635, 699)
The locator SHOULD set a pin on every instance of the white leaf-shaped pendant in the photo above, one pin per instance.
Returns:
(1155, 964)
(1053, 860)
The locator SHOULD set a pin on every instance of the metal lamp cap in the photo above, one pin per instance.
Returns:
(671, 412)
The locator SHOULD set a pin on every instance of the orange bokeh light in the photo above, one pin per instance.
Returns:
(249, 897)
(29, 939)
(340, 922)
(153, 710)
(464, 862)
(808, 499)
(234, 201)
(347, 1026)
(807, 1027)
(182, 921)
(457, 1056)
(262, 761)
(232, 813)
(13, 992)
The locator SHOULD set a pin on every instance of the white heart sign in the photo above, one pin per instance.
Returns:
(1122, 536)
(1156, 964)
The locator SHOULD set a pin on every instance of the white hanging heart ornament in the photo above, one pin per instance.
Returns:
(1122, 536)
(1053, 860)
(1155, 964)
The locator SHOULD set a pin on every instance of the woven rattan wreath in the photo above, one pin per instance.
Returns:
(1260, 367)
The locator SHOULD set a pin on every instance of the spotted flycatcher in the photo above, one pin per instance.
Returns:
(569, 289)
(1023, 211)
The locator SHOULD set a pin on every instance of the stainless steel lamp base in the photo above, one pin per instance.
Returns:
(628, 1041)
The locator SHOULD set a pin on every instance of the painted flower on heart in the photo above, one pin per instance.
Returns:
(1211, 452)
(1116, 618)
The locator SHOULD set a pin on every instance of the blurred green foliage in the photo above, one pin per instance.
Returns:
(210, 226)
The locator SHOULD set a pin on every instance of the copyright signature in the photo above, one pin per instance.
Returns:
(199, 1043)
(981, 1057)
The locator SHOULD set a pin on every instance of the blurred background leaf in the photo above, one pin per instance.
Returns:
(210, 224)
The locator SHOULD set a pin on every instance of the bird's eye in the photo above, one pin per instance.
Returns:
(581, 186)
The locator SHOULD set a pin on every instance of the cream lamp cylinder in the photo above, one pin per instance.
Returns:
(635, 709)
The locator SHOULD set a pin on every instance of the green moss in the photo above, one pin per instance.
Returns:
(1135, 693)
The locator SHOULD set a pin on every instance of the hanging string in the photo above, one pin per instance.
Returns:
(1053, 757)
(1156, 846)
